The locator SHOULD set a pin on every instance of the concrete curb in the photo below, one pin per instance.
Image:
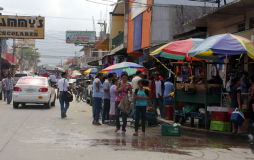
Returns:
(205, 132)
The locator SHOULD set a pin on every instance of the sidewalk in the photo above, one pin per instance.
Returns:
(206, 132)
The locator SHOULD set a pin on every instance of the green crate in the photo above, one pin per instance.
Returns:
(220, 126)
(170, 130)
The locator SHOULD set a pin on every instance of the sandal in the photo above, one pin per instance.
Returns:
(143, 133)
(123, 132)
(116, 130)
(135, 134)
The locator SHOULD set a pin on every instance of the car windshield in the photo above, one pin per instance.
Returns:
(20, 75)
(32, 81)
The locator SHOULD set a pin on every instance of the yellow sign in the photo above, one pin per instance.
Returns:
(22, 27)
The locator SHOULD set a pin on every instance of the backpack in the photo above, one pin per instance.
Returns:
(146, 92)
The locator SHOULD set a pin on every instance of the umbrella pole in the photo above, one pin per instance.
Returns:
(226, 66)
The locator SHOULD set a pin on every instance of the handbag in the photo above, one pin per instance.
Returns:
(67, 96)
(124, 105)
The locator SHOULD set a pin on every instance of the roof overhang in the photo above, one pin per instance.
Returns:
(119, 7)
(104, 45)
(199, 32)
(235, 8)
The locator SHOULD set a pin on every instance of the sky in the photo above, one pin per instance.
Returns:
(77, 16)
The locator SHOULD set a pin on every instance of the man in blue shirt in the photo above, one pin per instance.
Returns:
(169, 88)
(97, 97)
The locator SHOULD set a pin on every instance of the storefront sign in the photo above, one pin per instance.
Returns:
(22, 27)
(80, 36)
(138, 7)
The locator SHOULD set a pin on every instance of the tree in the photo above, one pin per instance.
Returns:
(30, 54)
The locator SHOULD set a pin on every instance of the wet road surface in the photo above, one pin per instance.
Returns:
(33, 132)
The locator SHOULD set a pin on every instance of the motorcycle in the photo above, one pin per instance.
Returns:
(80, 93)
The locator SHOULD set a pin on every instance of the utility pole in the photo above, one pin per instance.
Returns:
(13, 55)
(1, 57)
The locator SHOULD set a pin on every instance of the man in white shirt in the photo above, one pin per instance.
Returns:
(134, 82)
(157, 87)
(63, 85)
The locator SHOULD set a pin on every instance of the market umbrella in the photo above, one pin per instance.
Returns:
(123, 65)
(220, 46)
(177, 50)
(92, 71)
(76, 74)
(130, 71)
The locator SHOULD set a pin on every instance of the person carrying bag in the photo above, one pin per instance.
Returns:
(63, 95)
(122, 103)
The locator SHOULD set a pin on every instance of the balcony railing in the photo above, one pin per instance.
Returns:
(118, 40)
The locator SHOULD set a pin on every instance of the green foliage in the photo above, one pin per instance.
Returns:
(30, 54)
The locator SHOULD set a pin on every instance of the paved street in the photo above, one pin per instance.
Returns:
(33, 132)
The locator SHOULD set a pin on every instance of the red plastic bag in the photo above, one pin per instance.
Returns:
(230, 111)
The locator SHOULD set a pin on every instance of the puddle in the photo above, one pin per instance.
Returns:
(152, 142)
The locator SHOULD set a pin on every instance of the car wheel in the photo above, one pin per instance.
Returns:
(48, 105)
(15, 105)
(23, 104)
(54, 102)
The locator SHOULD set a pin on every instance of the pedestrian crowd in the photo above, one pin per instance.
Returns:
(113, 92)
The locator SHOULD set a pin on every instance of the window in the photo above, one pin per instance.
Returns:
(95, 54)
(251, 22)
(241, 26)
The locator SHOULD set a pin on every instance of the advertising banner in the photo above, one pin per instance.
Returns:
(138, 7)
(22, 27)
(26, 43)
(80, 36)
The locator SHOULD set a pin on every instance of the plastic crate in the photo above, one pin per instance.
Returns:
(170, 130)
(220, 126)
(169, 112)
(220, 116)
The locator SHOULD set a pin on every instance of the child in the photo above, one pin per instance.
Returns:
(235, 95)
(141, 96)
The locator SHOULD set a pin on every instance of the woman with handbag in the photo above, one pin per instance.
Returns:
(122, 94)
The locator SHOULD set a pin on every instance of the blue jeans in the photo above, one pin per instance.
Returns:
(62, 102)
(9, 95)
(97, 108)
(106, 108)
(4, 92)
(124, 117)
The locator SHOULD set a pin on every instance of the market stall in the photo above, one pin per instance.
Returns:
(187, 87)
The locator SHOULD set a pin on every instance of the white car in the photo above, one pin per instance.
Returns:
(34, 90)
(17, 76)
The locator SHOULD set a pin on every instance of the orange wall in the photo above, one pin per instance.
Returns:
(146, 27)
(130, 31)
